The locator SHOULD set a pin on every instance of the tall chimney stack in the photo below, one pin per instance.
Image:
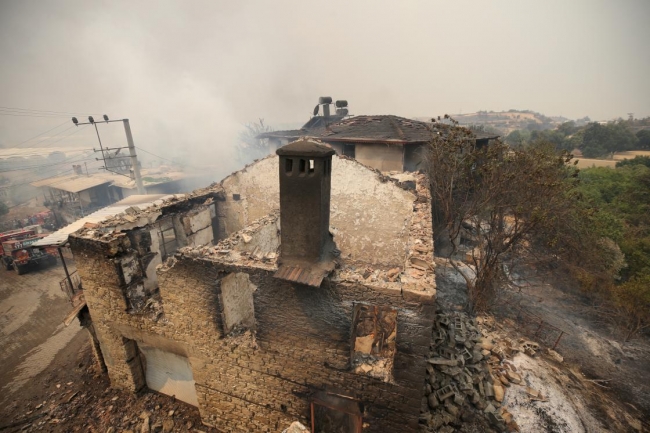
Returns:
(305, 240)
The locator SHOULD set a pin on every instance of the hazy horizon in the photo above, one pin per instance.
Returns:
(190, 75)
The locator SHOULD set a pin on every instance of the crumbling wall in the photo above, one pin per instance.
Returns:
(117, 262)
(249, 194)
(197, 226)
(294, 344)
(301, 346)
(193, 316)
(370, 215)
(261, 381)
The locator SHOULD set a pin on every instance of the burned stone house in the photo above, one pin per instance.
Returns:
(384, 142)
(299, 288)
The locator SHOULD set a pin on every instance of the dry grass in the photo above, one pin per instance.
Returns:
(611, 162)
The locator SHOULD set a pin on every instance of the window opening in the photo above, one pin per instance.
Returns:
(374, 330)
(311, 166)
(335, 414)
(167, 238)
(303, 165)
(349, 150)
(288, 165)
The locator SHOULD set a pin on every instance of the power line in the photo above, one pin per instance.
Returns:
(49, 138)
(67, 136)
(29, 139)
(4, 113)
(58, 133)
(32, 167)
(153, 154)
(49, 177)
(69, 160)
(30, 110)
(166, 159)
(23, 155)
(46, 138)
(43, 178)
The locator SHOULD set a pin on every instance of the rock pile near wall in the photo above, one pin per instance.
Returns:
(468, 373)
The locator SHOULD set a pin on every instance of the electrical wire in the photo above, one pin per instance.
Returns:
(36, 111)
(67, 136)
(48, 138)
(166, 159)
(50, 177)
(153, 154)
(24, 155)
(36, 136)
(14, 114)
(33, 167)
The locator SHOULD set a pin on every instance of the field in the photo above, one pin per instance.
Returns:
(618, 156)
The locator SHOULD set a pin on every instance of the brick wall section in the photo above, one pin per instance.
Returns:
(262, 383)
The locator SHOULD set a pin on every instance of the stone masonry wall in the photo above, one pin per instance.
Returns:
(260, 380)
(302, 345)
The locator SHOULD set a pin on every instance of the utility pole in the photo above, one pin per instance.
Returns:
(129, 139)
(134, 158)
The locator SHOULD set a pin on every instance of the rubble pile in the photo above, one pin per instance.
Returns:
(296, 427)
(469, 371)
(79, 399)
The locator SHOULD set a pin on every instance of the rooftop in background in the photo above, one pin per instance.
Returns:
(72, 183)
(388, 129)
(60, 237)
(76, 182)
(44, 152)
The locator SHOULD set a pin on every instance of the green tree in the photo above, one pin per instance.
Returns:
(637, 160)
(621, 200)
(4, 209)
(518, 138)
(600, 140)
(644, 139)
(551, 136)
(568, 128)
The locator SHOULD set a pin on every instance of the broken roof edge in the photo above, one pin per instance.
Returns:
(382, 177)
(242, 248)
(133, 217)
(61, 236)
(244, 169)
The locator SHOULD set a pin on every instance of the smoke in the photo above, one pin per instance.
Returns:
(190, 75)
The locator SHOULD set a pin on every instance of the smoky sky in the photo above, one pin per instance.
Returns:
(190, 74)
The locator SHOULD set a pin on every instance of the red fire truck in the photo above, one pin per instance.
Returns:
(20, 255)
(9, 236)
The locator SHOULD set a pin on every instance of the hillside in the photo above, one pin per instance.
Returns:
(507, 121)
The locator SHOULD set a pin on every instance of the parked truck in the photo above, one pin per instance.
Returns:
(11, 235)
(23, 255)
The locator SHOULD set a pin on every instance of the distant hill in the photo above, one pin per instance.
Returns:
(504, 122)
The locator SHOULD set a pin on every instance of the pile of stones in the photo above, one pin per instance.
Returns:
(467, 374)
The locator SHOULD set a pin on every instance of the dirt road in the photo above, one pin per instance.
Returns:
(32, 308)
